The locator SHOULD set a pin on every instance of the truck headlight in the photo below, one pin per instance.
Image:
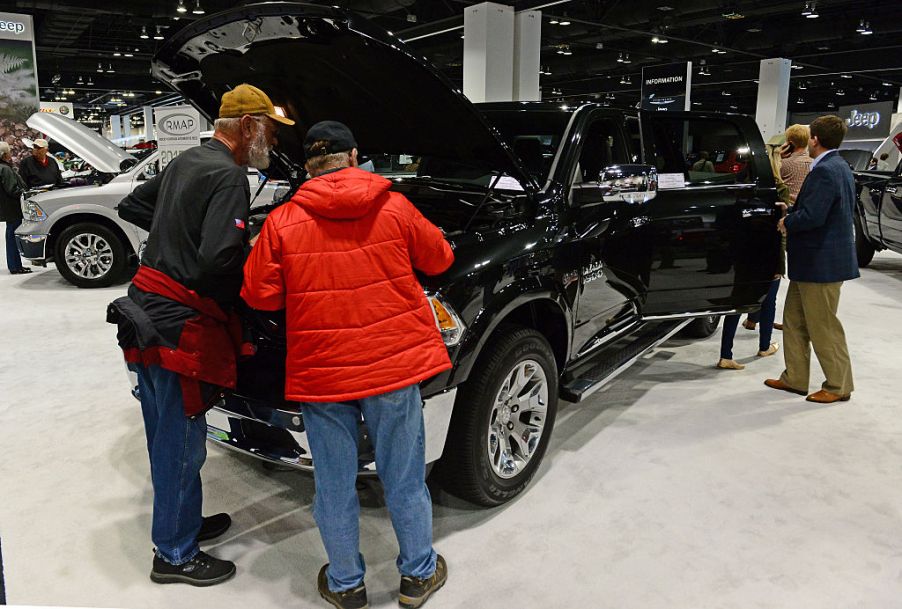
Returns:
(32, 212)
(447, 320)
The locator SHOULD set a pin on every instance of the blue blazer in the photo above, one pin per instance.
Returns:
(821, 241)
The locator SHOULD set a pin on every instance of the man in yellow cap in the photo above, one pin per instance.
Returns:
(177, 326)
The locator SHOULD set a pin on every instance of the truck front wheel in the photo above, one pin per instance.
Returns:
(864, 249)
(502, 420)
(90, 255)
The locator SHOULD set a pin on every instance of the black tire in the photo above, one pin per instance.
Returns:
(110, 263)
(864, 249)
(703, 327)
(465, 469)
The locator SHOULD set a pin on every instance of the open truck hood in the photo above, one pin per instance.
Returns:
(323, 63)
(102, 154)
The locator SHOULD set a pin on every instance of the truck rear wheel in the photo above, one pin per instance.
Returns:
(502, 420)
(703, 327)
(90, 255)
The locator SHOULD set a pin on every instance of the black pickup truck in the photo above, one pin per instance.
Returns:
(582, 238)
(878, 217)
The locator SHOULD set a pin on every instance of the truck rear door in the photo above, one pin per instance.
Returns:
(711, 230)
(891, 210)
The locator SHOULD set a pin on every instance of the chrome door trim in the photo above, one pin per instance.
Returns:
(675, 316)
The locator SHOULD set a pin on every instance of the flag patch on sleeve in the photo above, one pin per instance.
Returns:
(239, 223)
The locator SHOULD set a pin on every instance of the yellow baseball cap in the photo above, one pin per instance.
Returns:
(248, 99)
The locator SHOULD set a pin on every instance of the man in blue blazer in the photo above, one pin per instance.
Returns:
(821, 250)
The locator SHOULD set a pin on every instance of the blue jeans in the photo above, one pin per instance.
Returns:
(395, 422)
(765, 318)
(178, 449)
(13, 261)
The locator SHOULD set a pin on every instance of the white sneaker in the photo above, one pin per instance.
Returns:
(729, 364)
(774, 347)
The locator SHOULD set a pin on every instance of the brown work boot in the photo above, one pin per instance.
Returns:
(779, 384)
(416, 591)
(347, 599)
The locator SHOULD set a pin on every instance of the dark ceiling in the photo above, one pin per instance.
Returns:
(835, 64)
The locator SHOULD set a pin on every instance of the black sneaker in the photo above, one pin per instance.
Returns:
(214, 526)
(416, 591)
(202, 570)
(349, 599)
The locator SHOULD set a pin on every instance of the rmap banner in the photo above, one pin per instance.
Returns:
(177, 129)
(666, 87)
(18, 81)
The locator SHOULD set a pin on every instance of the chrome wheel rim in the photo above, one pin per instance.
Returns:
(517, 419)
(89, 256)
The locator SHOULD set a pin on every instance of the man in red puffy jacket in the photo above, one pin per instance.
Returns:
(340, 259)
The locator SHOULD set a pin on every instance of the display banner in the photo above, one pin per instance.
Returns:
(867, 121)
(666, 87)
(64, 108)
(18, 81)
(177, 129)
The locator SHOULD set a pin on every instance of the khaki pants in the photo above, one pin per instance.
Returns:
(809, 320)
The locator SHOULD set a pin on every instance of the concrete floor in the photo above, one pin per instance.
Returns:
(678, 486)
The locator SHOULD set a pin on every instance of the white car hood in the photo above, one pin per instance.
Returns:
(101, 153)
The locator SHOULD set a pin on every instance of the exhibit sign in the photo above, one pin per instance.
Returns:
(666, 87)
(18, 81)
(63, 108)
(867, 121)
(177, 129)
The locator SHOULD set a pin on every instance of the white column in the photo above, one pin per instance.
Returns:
(489, 52)
(126, 126)
(115, 126)
(149, 133)
(773, 96)
(527, 55)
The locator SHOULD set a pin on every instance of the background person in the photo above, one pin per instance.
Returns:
(703, 164)
(340, 259)
(821, 249)
(11, 189)
(175, 324)
(40, 169)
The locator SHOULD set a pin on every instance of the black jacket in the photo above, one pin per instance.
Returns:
(11, 189)
(196, 211)
(35, 174)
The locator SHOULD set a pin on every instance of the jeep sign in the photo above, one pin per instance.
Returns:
(15, 27)
(867, 121)
(177, 129)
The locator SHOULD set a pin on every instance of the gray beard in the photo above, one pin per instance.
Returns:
(258, 151)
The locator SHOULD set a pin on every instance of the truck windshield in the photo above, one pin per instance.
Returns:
(533, 136)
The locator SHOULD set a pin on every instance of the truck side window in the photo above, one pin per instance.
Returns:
(632, 129)
(705, 151)
(603, 146)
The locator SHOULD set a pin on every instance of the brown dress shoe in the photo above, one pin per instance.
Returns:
(778, 384)
(825, 397)
(748, 324)
(778, 326)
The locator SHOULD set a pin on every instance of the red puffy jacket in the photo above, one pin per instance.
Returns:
(339, 258)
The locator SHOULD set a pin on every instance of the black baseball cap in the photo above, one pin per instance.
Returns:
(337, 138)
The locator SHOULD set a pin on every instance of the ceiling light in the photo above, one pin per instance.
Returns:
(181, 7)
(734, 107)
(867, 31)
(802, 86)
(860, 29)
(754, 30)
(411, 18)
(796, 66)
(158, 92)
(696, 103)
(840, 92)
(626, 58)
(554, 21)
(665, 8)
(873, 96)
(158, 35)
(198, 10)
(726, 93)
(128, 54)
(99, 68)
(81, 80)
(90, 81)
(143, 35)
(807, 10)
(110, 69)
(732, 15)
(845, 76)
(599, 46)
(887, 84)
(116, 53)
(813, 12)
(565, 21)
(620, 57)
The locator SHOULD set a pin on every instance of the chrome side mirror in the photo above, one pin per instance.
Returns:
(632, 184)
